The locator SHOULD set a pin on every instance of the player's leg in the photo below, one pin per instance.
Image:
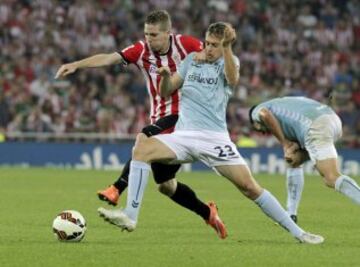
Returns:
(344, 184)
(320, 145)
(294, 185)
(145, 150)
(295, 180)
(226, 159)
(183, 195)
(112, 193)
(180, 193)
(241, 177)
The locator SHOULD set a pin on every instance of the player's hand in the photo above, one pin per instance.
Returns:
(229, 36)
(163, 71)
(290, 147)
(297, 158)
(293, 159)
(65, 70)
(289, 150)
(200, 57)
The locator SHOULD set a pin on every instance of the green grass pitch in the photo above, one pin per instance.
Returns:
(168, 235)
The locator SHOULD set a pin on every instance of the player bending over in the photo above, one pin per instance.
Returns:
(315, 127)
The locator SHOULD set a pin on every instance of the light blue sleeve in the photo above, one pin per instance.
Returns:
(255, 115)
(184, 66)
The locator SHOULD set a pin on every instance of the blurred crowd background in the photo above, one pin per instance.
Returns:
(303, 48)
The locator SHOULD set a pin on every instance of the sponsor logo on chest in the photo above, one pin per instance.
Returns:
(199, 78)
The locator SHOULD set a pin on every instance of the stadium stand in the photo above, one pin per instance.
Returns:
(308, 48)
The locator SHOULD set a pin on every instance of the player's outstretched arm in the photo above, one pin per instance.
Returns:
(168, 83)
(231, 69)
(90, 62)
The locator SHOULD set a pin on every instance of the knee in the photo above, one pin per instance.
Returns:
(330, 180)
(168, 188)
(329, 170)
(139, 151)
(250, 189)
(252, 192)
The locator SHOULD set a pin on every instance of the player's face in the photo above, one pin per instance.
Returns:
(212, 48)
(157, 39)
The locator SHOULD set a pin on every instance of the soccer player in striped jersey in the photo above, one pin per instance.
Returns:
(160, 48)
(306, 129)
(201, 134)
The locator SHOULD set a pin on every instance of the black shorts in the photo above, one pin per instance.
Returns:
(162, 172)
(163, 125)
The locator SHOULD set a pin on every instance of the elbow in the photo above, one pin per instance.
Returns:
(232, 79)
(233, 82)
(113, 58)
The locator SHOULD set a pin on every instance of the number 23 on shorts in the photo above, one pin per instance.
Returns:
(225, 151)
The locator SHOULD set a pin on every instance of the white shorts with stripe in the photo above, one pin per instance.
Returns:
(320, 139)
(212, 148)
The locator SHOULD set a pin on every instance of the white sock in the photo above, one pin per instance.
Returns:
(347, 186)
(295, 185)
(272, 208)
(138, 177)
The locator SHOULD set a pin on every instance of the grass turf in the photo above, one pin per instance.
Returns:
(168, 235)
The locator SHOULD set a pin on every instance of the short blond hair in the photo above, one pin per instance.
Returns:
(160, 17)
(217, 29)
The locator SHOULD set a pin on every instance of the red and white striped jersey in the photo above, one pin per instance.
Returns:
(148, 61)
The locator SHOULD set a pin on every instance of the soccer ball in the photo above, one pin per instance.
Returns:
(69, 226)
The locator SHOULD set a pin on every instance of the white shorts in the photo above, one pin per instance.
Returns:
(320, 139)
(212, 148)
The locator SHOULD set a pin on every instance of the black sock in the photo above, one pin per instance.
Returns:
(122, 182)
(187, 198)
